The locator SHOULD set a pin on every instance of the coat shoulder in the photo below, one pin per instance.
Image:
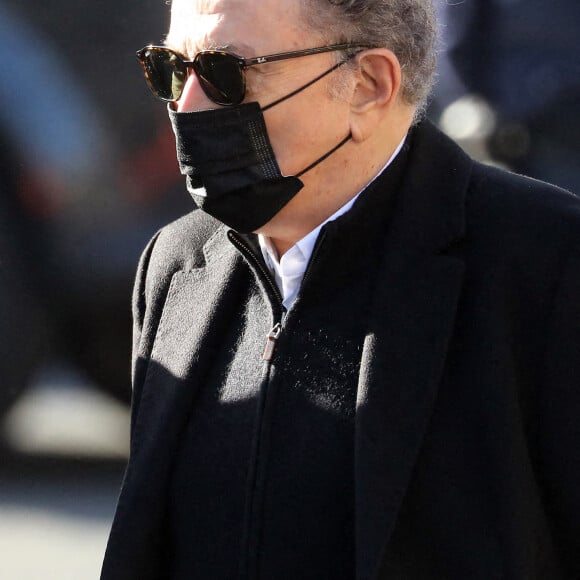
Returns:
(181, 242)
(520, 235)
(521, 200)
(176, 247)
(513, 212)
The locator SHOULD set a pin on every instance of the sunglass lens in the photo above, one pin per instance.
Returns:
(165, 72)
(220, 77)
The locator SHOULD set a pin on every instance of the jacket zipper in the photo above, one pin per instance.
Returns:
(247, 251)
(248, 563)
(275, 332)
(271, 339)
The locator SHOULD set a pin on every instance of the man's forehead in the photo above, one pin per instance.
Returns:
(195, 18)
(199, 24)
(193, 7)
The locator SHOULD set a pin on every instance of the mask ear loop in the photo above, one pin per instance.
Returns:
(328, 154)
(299, 90)
(303, 87)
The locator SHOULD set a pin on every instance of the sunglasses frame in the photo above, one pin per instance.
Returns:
(243, 63)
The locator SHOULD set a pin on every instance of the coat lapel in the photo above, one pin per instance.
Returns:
(405, 348)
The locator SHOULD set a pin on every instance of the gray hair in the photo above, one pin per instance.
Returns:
(406, 27)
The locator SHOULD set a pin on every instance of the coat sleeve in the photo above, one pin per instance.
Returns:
(559, 418)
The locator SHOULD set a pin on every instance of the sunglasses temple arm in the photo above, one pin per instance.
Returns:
(245, 62)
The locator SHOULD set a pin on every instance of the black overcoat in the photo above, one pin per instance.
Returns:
(467, 439)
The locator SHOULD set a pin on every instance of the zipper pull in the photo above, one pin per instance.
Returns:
(271, 339)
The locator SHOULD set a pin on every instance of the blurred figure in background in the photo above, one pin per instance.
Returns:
(510, 78)
(55, 151)
(23, 336)
(83, 185)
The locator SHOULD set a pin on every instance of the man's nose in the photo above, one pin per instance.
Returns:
(193, 98)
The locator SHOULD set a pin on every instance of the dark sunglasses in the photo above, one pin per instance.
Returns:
(220, 73)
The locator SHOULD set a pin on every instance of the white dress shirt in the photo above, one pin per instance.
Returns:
(289, 271)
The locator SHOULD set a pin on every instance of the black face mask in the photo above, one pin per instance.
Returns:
(230, 168)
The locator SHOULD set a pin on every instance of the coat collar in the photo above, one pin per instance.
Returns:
(413, 313)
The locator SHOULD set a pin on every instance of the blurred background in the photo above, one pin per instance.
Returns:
(88, 173)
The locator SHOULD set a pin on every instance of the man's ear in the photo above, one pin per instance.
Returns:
(375, 92)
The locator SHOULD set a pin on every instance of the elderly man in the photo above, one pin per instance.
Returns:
(359, 357)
